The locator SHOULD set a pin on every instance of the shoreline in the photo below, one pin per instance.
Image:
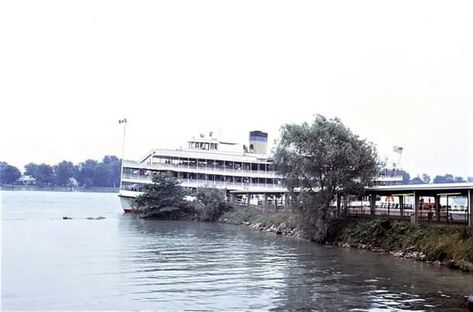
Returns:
(347, 234)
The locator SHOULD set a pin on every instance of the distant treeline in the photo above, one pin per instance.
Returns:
(106, 173)
(424, 178)
(90, 173)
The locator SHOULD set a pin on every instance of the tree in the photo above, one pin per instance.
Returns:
(405, 176)
(426, 178)
(448, 178)
(31, 169)
(210, 204)
(44, 174)
(115, 167)
(63, 171)
(416, 180)
(102, 175)
(323, 159)
(9, 174)
(163, 199)
(87, 172)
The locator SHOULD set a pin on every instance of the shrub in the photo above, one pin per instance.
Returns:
(210, 204)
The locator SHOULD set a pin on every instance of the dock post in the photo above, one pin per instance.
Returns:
(401, 206)
(415, 218)
(470, 209)
(437, 207)
(372, 204)
(345, 205)
(339, 199)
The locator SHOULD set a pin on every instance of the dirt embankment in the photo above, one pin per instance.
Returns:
(440, 245)
(279, 223)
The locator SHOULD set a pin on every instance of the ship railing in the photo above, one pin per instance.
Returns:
(200, 168)
(203, 183)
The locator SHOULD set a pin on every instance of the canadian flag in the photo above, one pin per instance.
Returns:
(122, 121)
(397, 149)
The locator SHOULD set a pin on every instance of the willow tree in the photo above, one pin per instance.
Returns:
(318, 161)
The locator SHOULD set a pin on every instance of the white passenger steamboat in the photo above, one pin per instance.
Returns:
(207, 162)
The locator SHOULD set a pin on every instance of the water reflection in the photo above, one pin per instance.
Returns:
(223, 267)
(123, 263)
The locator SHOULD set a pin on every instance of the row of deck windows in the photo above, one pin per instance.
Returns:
(208, 163)
(147, 174)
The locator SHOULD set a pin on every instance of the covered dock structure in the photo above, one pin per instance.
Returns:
(441, 203)
(447, 203)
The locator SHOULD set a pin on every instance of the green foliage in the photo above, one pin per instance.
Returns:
(86, 172)
(210, 204)
(448, 178)
(9, 174)
(89, 173)
(63, 171)
(31, 169)
(322, 159)
(163, 199)
(252, 215)
(115, 167)
(44, 175)
(104, 173)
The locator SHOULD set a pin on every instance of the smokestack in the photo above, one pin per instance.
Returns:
(258, 142)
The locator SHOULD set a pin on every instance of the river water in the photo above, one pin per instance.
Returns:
(123, 263)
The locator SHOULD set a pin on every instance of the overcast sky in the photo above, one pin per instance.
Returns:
(395, 72)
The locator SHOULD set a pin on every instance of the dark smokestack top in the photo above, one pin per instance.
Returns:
(257, 135)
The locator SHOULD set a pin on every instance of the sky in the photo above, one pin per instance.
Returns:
(395, 72)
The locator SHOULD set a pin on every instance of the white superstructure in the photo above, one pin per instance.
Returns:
(206, 162)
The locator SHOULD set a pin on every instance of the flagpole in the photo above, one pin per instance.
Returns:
(123, 152)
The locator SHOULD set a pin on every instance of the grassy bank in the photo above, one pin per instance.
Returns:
(279, 223)
(450, 246)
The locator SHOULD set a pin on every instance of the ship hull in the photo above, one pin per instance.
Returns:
(126, 198)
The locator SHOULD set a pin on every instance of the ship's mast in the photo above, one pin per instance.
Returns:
(124, 122)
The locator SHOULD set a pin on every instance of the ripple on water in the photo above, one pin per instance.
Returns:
(122, 263)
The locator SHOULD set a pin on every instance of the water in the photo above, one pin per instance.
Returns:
(123, 263)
